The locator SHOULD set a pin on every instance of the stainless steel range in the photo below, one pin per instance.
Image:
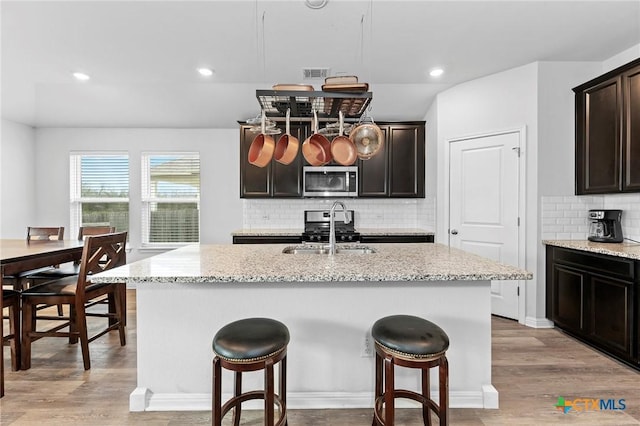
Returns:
(317, 223)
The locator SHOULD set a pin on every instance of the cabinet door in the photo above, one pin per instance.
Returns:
(569, 298)
(406, 160)
(611, 314)
(598, 144)
(287, 178)
(373, 174)
(255, 182)
(274, 180)
(631, 122)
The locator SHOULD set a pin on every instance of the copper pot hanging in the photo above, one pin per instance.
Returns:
(316, 149)
(368, 139)
(287, 146)
(262, 147)
(343, 149)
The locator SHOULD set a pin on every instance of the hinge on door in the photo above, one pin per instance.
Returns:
(518, 289)
(518, 221)
(516, 149)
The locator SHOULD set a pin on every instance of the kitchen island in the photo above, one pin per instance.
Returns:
(329, 304)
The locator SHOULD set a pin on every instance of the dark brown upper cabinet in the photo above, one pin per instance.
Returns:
(276, 179)
(607, 114)
(396, 171)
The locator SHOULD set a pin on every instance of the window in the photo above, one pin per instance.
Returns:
(99, 190)
(170, 198)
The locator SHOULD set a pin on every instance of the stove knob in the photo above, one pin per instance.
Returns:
(350, 237)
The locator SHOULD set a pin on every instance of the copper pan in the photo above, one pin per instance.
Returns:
(287, 147)
(262, 147)
(342, 148)
(368, 139)
(316, 149)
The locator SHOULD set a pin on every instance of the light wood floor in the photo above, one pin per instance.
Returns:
(531, 369)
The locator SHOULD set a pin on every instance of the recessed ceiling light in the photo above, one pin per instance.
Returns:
(206, 72)
(81, 76)
(316, 4)
(436, 72)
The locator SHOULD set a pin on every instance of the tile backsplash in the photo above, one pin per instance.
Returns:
(369, 213)
(565, 217)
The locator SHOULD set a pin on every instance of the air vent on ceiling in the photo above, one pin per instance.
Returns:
(315, 73)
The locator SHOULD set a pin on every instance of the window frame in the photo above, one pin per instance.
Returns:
(147, 200)
(75, 187)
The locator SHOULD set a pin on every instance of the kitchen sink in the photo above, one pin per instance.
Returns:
(324, 249)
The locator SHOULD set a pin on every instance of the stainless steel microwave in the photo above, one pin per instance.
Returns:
(330, 181)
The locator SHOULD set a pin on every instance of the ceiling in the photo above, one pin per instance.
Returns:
(142, 55)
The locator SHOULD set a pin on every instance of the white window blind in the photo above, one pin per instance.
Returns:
(99, 190)
(170, 198)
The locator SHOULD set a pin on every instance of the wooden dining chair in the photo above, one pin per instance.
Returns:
(34, 233)
(38, 233)
(11, 301)
(100, 253)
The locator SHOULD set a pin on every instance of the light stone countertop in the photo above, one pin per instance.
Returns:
(629, 250)
(298, 231)
(267, 263)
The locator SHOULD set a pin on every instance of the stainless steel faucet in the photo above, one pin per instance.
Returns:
(332, 224)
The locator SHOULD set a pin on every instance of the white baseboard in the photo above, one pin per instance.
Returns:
(538, 322)
(142, 399)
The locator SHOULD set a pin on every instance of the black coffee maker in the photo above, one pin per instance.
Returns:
(605, 226)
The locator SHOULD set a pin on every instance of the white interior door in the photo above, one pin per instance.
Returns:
(483, 206)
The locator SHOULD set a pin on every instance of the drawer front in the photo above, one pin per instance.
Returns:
(608, 265)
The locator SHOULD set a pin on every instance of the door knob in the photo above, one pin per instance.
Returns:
(454, 232)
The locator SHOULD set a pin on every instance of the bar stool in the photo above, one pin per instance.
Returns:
(249, 345)
(412, 342)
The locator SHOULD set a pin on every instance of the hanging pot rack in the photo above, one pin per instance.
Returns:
(302, 104)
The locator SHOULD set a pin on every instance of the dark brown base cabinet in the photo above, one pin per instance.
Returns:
(267, 239)
(397, 171)
(595, 298)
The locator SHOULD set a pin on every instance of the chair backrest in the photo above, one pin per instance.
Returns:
(37, 233)
(95, 230)
(100, 253)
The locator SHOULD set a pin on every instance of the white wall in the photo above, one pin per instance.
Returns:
(220, 206)
(499, 102)
(17, 179)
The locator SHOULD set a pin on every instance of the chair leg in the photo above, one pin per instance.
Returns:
(216, 416)
(14, 329)
(389, 383)
(73, 325)
(120, 314)
(81, 324)
(237, 390)
(268, 393)
(377, 392)
(443, 371)
(28, 325)
(283, 385)
(426, 392)
(60, 311)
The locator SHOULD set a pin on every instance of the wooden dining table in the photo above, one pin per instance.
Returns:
(18, 256)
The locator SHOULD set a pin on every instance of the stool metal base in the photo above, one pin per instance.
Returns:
(268, 394)
(385, 392)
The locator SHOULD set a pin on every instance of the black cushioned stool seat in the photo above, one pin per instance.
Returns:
(249, 345)
(413, 342)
